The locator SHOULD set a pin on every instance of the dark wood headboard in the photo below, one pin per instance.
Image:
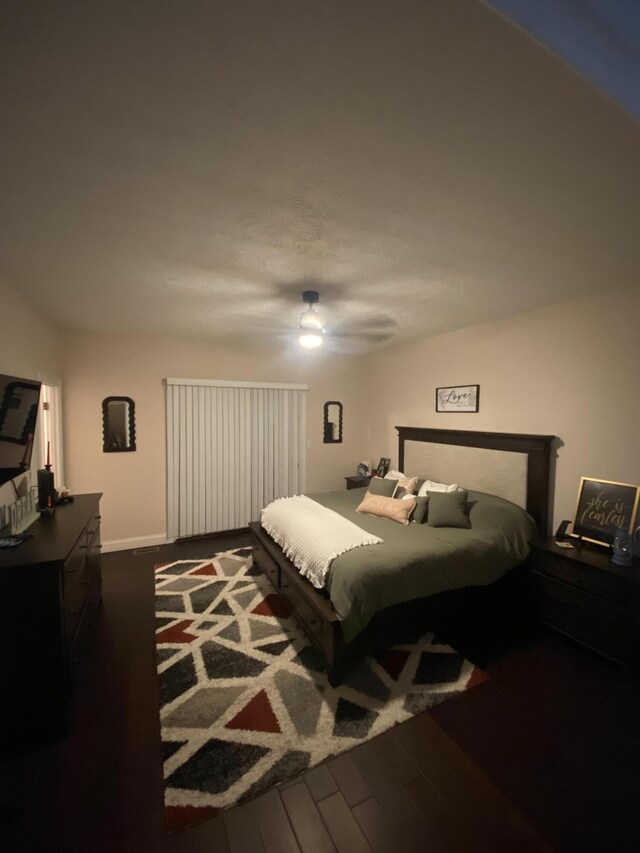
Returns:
(536, 447)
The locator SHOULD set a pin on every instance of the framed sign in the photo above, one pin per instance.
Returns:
(459, 398)
(603, 507)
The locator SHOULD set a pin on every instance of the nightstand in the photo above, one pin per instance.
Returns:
(582, 594)
(357, 482)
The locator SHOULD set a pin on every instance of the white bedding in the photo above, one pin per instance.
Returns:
(312, 535)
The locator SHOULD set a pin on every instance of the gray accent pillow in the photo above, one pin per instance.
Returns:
(380, 486)
(448, 509)
(419, 514)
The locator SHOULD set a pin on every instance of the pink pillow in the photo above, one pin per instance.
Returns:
(395, 510)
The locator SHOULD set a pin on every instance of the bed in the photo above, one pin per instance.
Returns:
(380, 594)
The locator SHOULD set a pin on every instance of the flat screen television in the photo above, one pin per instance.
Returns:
(19, 399)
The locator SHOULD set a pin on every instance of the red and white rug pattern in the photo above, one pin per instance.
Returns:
(245, 702)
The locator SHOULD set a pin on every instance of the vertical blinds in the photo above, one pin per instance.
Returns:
(232, 447)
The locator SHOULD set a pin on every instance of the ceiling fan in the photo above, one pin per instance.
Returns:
(311, 321)
(313, 330)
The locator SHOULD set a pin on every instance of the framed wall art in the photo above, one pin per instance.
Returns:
(603, 507)
(458, 398)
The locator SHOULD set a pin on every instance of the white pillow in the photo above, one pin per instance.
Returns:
(430, 486)
(408, 484)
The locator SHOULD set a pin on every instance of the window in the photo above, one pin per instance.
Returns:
(232, 448)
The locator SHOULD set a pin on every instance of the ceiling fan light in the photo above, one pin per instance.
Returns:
(311, 320)
(310, 340)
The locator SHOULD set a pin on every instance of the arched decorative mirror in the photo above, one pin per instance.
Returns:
(332, 426)
(118, 425)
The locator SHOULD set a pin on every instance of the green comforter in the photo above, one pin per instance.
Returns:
(417, 560)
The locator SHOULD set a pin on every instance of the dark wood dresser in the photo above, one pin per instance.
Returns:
(581, 593)
(50, 592)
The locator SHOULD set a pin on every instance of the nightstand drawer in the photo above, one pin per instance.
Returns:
(596, 581)
(603, 626)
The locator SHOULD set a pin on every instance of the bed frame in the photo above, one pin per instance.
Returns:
(313, 608)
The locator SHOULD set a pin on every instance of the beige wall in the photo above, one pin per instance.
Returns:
(28, 343)
(134, 484)
(571, 370)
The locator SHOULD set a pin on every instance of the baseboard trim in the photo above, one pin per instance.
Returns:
(134, 542)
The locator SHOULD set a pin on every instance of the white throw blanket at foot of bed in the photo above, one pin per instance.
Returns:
(311, 535)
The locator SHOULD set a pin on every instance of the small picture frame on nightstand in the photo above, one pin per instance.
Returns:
(383, 467)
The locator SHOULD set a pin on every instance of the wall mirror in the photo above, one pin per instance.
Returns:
(332, 426)
(118, 425)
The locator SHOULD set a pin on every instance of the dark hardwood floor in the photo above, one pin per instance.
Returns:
(544, 756)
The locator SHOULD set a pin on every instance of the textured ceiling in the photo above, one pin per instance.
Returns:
(192, 167)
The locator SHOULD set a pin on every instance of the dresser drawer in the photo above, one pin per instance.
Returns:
(74, 574)
(71, 626)
(93, 537)
(94, 552)
(73, 602)
(76, 559)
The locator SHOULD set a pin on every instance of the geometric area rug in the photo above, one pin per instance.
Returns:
(245, 703)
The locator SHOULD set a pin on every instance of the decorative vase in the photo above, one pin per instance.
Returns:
(622, 548)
